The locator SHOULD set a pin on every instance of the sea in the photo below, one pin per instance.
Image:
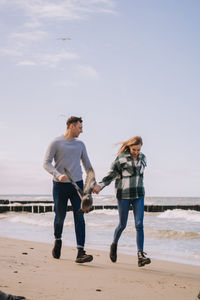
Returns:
(172, 235)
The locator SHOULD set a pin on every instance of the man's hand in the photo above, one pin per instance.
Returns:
(63, 178)
(96, 189)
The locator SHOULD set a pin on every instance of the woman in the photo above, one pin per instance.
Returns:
(127, 170)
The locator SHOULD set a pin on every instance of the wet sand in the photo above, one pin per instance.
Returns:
(28, 269)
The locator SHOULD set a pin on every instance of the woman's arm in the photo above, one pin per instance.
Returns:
(112, 174)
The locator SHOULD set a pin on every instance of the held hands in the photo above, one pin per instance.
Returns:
(96, 189)
(63, 178)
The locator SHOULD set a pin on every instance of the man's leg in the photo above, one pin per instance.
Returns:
(79, 223)
(60, 207)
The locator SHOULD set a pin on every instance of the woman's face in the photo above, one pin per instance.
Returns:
(135, 150)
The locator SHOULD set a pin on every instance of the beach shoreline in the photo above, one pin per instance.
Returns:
(28, 269)
(172, 235)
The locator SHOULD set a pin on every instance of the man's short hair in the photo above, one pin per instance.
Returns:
(72, 120)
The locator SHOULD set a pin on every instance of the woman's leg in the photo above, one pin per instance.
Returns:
(138, 210)
(138, 206)
(123, 209)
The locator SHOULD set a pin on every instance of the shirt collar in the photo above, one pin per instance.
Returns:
(140, 157)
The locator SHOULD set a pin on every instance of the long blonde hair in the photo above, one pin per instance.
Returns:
(136, 140)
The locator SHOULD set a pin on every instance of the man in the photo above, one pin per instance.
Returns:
(67, 152)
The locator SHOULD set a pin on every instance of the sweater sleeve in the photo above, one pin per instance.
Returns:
(85, 159)
(49, 156)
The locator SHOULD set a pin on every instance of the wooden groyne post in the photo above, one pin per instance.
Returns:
(48, 206)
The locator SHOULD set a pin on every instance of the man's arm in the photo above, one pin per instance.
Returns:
(48, 166)
(85, 159)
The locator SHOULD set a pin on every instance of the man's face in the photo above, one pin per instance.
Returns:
(77, 128)
(135, 150)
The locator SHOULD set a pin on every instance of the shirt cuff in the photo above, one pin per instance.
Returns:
(102, 185)
(57, 174)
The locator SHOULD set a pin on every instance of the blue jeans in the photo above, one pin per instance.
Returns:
(61, 193)
(138, 211)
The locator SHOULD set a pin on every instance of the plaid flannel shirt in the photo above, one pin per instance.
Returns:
(128, 176)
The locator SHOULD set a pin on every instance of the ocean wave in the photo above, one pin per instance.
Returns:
(108, 212)
(171, 234)
(188, 215)
(42, 220)
(31, 220)
(3, 216)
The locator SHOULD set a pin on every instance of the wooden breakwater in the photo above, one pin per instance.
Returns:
(48, 206)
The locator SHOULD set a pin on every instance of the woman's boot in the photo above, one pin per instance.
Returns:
(142, 259)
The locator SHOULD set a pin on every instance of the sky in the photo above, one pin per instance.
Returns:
(127, 67)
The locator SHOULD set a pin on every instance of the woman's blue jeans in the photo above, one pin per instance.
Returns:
(138, 211)
(61, 193)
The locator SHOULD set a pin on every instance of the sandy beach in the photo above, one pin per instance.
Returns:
(28, 269)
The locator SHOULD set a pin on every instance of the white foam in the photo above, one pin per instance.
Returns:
(188, 215)
(42, 220)
(171, 234)
(108, 212)
(31, 220)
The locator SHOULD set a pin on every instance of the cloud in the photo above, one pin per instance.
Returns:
(31, 36)
(26, 63)
(20, 44)
(34, 23)
(63, 9)
(56, 58)
(31, 43)
(78, 73)
(86, 71)
(51, 60)
(66, 83)
(8, 51)
(32, 46)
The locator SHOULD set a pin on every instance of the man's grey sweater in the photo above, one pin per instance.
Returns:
(66, 154)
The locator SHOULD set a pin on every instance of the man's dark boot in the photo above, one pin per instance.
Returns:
(57, 248)
(113, 252)
(142, 259)
(4, 296)
(82, 257)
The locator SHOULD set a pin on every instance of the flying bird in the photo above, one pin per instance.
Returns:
(62, 116)
(64, 38)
